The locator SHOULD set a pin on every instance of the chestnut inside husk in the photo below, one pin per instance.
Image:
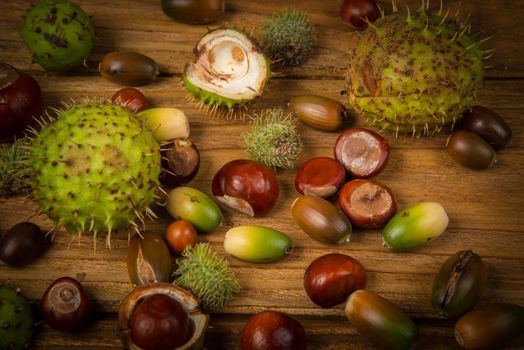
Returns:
(197, 320)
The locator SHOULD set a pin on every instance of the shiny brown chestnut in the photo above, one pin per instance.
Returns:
(470, 150)
(247, 186)
(367, 203)
(487, 124)
(321, 176)
(148, 259)
(159, 322)
(194, 11)
(65, 305)
(149, 331)
(130, 98)
(363, 152)
(128, 68)
(318, 112)
(358, 12)
(21, 244)
(180, 234)
(180, 162)
(273, 330)
(321, 220)
(459, 284)
(331, 278)
(490, 327)
(20, 102)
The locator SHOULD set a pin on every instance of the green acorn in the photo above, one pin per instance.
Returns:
(59, 34)
(274, 140)
(207, 276)
(288, 38)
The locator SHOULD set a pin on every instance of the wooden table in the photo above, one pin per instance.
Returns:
(485, 207)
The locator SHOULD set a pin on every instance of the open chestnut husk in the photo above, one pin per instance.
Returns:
(247, 186)
(273, 330)
(20, 102)
(65, 305)
(150, 330)
(180, 162)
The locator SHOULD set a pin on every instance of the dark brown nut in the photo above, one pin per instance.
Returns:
(320, 176)
(128, 68)
(194, 11)
(180, 162)
(318, 112)
(21, 243)
(490, 326)
(148, 259)
(488, 125)
(470, 150)
(321, 220)
(380, 321)
(458, 284)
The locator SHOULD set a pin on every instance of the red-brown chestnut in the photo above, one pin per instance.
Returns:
(65, 306)
(20, 101)
(273, 330)
(247, 186)
(321, 176)
(363, 152)
(331, 278)
(367, 204)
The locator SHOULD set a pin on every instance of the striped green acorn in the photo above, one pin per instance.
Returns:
(194, 206)
(380, 321)
(415, 226)
(229, 69)
(257, 244)
(414, 72)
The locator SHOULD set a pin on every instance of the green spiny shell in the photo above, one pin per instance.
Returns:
(59, 34)
(16, 320)
(414, 74)
(95, 168)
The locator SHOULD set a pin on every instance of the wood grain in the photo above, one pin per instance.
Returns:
(485, 208)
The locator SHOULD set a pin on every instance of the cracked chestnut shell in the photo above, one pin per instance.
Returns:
(273, 330)
(65, 306)
(153, 306)
(148, 259)
(459, 284)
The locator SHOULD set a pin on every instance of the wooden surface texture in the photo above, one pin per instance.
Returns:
(485, 207)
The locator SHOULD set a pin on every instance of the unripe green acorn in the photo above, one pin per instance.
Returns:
(415, 226)
(257, 243)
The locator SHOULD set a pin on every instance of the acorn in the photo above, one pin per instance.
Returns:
(148, 259)
(318, 112)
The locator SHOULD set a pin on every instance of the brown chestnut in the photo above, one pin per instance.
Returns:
(21, 243)
(489, 125)
(128, 68)
(470, 150)
(363, 152)
(159, 322)
(65, 306)
(180, 162)
(194, 11)
(321, 176)
(20, 102)
(273, 330)
(358, 12)
(143, 310)
(367, 203)
(247, 186)
(148, 259)
(131, 98)
(318, 112)
(331, 278)
(181, 234)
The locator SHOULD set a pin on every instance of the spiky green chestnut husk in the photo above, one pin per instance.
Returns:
(94, 168)
(207, 276)
(288, 37)
(16, 320)
(58, 33)
(229, 70)
(274, 140)
(414, 73)
(13, 168)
